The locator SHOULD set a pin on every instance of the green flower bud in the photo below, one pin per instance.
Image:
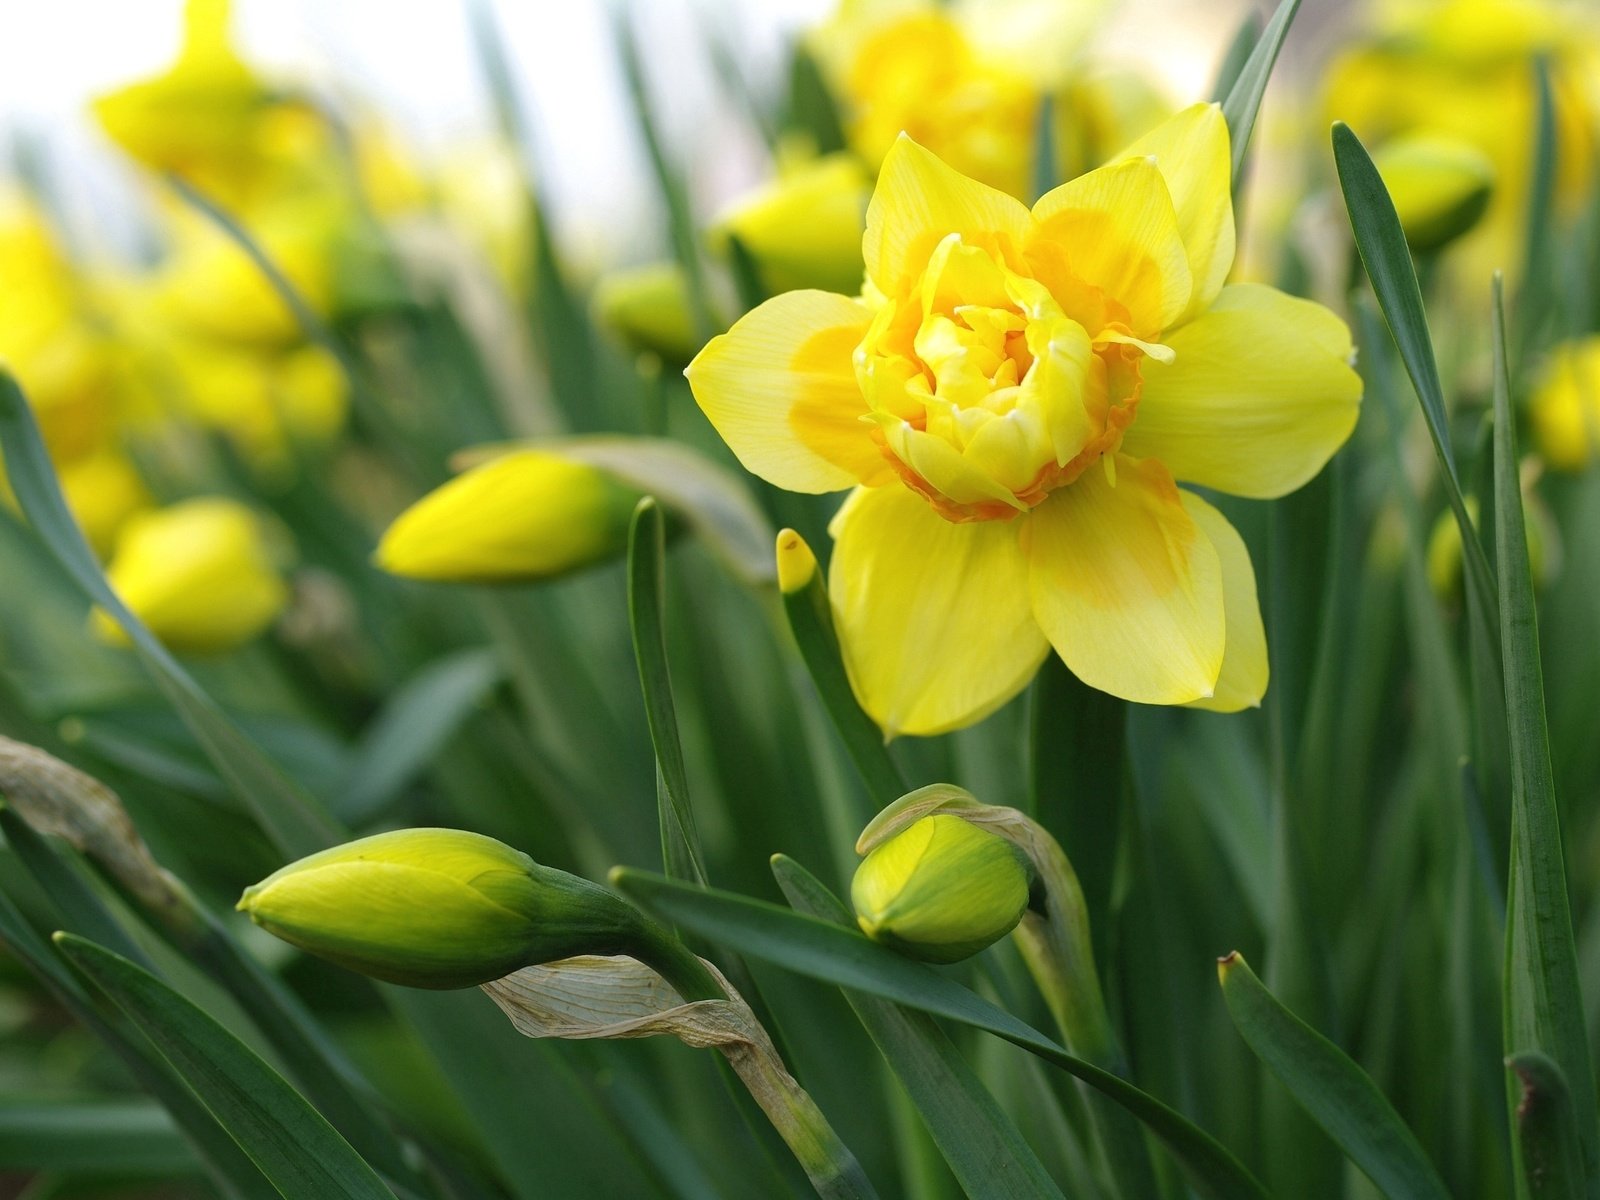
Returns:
(438, 908)
(941, 890)
(1440, 187)
(649, 308)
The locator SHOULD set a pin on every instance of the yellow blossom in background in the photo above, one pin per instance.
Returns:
(804, 228)
(528, 514)
(200, 574)
(1099, 110)
(648, 308)
(103, 489)
(209, 116)
(1014, 398)
(1464, 71)
(1566, 405)
(1440, 186)
(967, 80)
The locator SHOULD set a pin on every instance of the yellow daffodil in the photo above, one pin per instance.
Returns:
(966, 80)
(525, 515)
(804, 228)
(209, 116)
(1463, 71)
(199, 574)
(1014, 397)
(1566, 406)
(103, 489)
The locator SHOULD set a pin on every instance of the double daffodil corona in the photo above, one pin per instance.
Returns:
(1014, 397)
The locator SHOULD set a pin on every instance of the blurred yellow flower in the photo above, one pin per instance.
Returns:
(804, 228)
(209, 116)
(1463, 70)
(103, 489)
(648, 308)
(528, 514)
(200, 574)
(1440, 186)
(967, 80)
(1013, 398)
(1566, 405)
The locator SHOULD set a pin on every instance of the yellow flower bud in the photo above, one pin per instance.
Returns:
(103, 490)
(1566, 406)
(526, 515)
(804, 229)
(199, 574)
(1544, 542)
(941, 890)
(648, 308)
(1440, 186)
(437, 908)
(797, 564)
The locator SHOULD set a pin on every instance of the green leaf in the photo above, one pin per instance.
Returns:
(288, 815)
(1548, 1150)
(1244, 97)
(1543, 1001)
(1382, 245)
(1538, 272)
(986, 1152)
(133, 1137)
(680, 840)
(811, 621)
(286, 1138)
(413, 725)
(1337, 1093)
(824, 951)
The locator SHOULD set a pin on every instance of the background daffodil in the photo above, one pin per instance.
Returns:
(1014, 397)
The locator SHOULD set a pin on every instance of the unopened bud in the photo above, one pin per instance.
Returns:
(1440, 187)
(437, 908)
(941, 890)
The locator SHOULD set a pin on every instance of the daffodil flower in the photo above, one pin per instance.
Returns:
(1014, 397)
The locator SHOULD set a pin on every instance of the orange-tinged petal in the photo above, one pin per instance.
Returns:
(781, 389)
(1115, 229)
(1190, 149)
(1127, 586)
(933, 616)
(918, 202)
(1258, 397)
(1243, 678)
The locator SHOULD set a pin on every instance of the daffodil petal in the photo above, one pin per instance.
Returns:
(780, 387)
(1115, 229)
(1243, 678)
(933, 616)
(1127, 586)
(1191, 151)
(918, 202)
(1258, 397)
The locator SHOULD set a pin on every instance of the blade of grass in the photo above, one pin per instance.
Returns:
(1546, 1134)
(288, 814)
(1244, 97)
(986, 1152)
(1337, 1093)
(288, 1139)
(1543, 1001)
(824, 951)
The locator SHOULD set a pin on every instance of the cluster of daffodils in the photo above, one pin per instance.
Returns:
(1015, 396)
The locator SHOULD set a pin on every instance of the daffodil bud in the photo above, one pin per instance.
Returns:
(199, 574)
(648, 308)
(941, 890)
(1440, 187)
(103, 489)
(526, 515)
(437, 908)
(804, 229)
(1566, 405)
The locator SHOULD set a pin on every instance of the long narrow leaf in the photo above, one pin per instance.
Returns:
(986, 1152)
(1543, 1002)
(823, 951)
(1244, 97)
(1338, 1094)
(288, 1139)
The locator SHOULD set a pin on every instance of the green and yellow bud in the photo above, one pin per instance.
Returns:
(437, 908)
(941, 890)
(526, 515)
(797, 564)
(1544, 543)
(804, 229)
(1440, 186)
(1566, 405)
(200, 574)
(648, 308)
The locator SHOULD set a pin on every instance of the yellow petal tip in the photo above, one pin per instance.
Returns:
(797, 565)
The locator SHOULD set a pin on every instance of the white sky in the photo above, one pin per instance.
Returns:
(414, 59)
